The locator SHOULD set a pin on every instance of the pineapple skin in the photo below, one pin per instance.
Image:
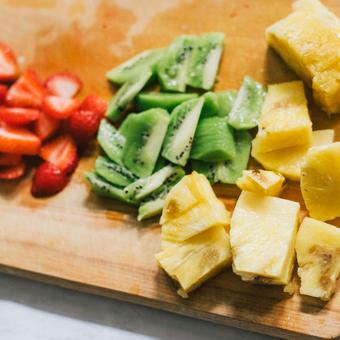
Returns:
(197, 259)
(284, 120)
(288, 161)
(262, 237)
(320, 181)
(308, 41)
(261, 181)
(318, 255)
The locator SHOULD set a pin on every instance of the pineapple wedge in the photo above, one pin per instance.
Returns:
(284, 120)
(318, 255)
(308, 41)
(288, 161)
(262, 237)
(197, 259)
(320, 181)
(261, 181)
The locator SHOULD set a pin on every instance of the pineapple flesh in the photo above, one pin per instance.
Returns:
(197, 259)
(318, 255)
(261, 181)
(284, 120)
(308, 41)
(288, 161)
(320, 181)
(262, 236)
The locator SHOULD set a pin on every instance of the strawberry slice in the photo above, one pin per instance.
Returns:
(7, 159)
(95, 104)
(62, 152)
(9, 69)
(18, 140)
(63, 84)
(13, 171)
(18, 116)
(3, 92)
(48, 180)
(46, 126)
(58, 107)
(27, 91)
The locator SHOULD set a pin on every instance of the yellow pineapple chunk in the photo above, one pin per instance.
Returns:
(284, 120)
(288, 161)
(195, 260)
(318, 255)
(261, 181)
(262, 236)
(308, 41)
(320, 181)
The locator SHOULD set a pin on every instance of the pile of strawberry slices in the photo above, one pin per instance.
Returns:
(44, 120)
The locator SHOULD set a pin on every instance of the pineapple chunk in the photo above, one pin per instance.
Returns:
(197, 259)
(261, 181)
(308, 40)
(320, 181)
(288, 161)
(262, 237)
(284, 121)
(318, 254)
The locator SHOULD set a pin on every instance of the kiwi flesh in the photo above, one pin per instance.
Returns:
(144, 133)
(218, 103)
(180, 135)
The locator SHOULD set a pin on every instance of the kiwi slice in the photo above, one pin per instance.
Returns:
(218, 103)
(181, 131)
(132, 68)
(248, 104)
(114, 173)
(126, 94)
(111, 141)
(166, 101)
(144, 134)
(105, 189)
(172, 68)
(204, 60)
(208, 169)
(213, 140)
(150, 209)
(145, 186)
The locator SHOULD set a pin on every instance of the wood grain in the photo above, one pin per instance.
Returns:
(86, 243)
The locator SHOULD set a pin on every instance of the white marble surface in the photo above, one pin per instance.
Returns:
(35, 311)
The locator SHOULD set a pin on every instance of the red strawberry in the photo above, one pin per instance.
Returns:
(18, 140)
(18, 116)
(27, 91)
(58, 107)
(9, 69)
(84, 126)
(3, 92)
(13, 171)
(62, 152)
(48, 180)
(46, 126)
(63, 84)
(7, 159)
(94, 103)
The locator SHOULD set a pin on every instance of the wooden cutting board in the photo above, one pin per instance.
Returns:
(79, 241)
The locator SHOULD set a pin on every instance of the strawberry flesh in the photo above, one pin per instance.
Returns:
(9, 69)
(18, 116)
(7, 159)
(63, 84)
(58, 107)
(46, 126)
(94, 103)
(12, 171)
(3, 92)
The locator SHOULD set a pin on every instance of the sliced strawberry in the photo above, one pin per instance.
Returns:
(84, 126)
(18, 116)
(62, 152)
(3, 92)
(48, 180)
(58, 107)
(94, 103)
(18, 140)
(27, 91)
(63, 84)
(13, 171)
(9, 69)
(8, 159)
(46, 126)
